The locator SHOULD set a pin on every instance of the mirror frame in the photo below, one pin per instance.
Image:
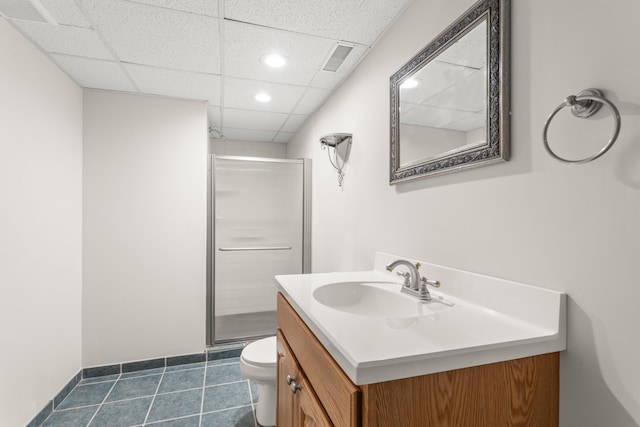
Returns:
(496, 149)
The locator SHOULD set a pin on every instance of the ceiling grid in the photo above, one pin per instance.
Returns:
(212, 50)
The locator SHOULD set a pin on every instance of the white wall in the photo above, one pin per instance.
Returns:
(144, 237)
(247, 148)
(40, 228)
(532, 219)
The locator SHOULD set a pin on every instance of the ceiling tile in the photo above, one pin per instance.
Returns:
(248, 134)
(294, 122)
(201, 7)
(245, 44)
(173, 48)
(66, 12)
(432, 79)
(324, 18)
(65, 39)
(240, 94)
(155, 36)
(373, 17)
(465, 94)
(255, 120)
(312, 99)
(329, 80)
(174, 83)
(95, 73)
(283, 137)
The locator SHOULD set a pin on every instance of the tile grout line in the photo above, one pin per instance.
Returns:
(113, 401)
(209, 364)
(78, 384)
(76, 407)
(204, 385)
(104, 399)
(146, 417)
(152, 423)
(253, 407)
(227, 383)
(177, 391)
(193, 368)
(227, 361)
(63, 400)
(226, 409)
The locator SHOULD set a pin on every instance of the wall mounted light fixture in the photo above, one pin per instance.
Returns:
(338, 146)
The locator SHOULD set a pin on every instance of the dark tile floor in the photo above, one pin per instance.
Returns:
(196, 395)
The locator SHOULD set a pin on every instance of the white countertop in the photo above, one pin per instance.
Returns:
(491, 320)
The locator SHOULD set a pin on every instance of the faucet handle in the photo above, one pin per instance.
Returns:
(434, 283)
(406, 275)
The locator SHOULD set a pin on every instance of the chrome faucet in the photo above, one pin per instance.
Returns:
(414, 284)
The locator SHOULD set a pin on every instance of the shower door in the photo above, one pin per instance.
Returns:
(258, 232)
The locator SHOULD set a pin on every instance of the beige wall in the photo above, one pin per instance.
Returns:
(144, 236)
(40, 228)
(532, 219)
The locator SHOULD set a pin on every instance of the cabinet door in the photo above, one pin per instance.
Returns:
(298, 405)
(310, 412)
(287, 368)
(340, 398)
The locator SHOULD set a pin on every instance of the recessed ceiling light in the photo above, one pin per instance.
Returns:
(410, 84)
(274, 60)
(262, 97)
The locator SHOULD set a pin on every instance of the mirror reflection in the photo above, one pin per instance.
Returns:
(442, 105)
(450, 102)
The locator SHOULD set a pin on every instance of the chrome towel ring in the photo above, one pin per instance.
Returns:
(584, 104)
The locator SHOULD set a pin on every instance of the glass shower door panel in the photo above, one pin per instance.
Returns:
(258, 232)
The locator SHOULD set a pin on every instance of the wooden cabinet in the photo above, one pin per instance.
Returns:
(338, 396)
(310, 412)
(521, 392)
(287, 369)
(298, 404)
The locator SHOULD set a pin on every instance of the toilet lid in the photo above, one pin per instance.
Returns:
(261, 353)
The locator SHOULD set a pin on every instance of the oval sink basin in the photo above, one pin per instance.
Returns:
(379, 299)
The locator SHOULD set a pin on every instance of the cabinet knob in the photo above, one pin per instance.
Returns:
(290, 379)
(294, 387)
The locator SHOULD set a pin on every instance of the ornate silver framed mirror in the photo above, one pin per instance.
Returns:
(450, 102)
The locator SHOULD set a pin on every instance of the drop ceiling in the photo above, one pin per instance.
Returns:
(209, 50)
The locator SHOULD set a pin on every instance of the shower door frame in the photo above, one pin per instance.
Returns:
(211, 205)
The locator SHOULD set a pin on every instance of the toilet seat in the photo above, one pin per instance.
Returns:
(261, 353)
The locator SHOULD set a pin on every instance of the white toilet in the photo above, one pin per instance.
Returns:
(258, 362)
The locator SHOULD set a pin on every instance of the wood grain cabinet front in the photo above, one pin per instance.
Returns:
(339, 397)
(520, 392)
(287, 370)
(298, 404)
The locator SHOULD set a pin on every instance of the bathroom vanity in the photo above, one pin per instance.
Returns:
(484, 351)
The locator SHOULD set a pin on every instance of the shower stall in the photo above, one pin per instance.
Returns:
(259, 226)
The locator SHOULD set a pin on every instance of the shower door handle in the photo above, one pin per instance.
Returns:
(257, 248)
